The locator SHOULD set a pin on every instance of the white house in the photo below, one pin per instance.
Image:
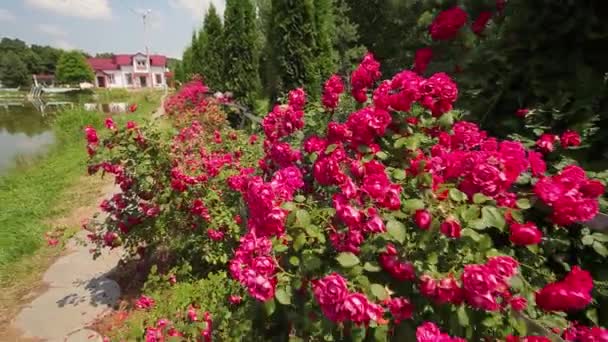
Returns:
(130, 71)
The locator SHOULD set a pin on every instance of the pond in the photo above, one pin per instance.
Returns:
(25, 129)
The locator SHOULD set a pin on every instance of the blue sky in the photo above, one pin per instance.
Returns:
(104, 25)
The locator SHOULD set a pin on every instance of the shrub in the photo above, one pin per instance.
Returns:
(386, 219)
(403, 214)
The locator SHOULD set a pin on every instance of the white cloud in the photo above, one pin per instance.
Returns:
(51, 30)
(6, 15)
(198, 8)
(89, 9)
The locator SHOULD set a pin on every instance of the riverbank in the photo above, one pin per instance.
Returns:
(34, 195)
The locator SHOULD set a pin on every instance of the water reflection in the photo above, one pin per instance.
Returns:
(25, 124)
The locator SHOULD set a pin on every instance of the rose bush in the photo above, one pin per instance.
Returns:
(403, 214)
(173, 193)
(391, 219)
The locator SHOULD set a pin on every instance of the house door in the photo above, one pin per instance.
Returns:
(143, 81)
(101, 81)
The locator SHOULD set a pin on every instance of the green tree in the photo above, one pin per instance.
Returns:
(212, 51)
(293, 45)
(187, 58)
(346, 39)
(325, 28)
(49, 57)
(13, 72)
(197, 52)
(73, 68)
(240, 57)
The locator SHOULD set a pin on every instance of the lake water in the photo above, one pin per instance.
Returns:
(25, 125)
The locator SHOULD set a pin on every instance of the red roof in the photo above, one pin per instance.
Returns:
(114, 62)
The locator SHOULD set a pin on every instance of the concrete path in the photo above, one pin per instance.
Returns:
(78, 292)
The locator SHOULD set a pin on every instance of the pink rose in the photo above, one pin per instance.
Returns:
(450, 228)
(330, 289)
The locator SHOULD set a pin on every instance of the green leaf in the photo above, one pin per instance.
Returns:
(396, 230)
(463, 317)
(523, 203)
(587, 240)
(600, 249)
(480, 198)
(282, 296)
(303, 218)
(289, 206)
(432, 258)
(369, 267)
(411, 143)
(446, 120)
(592, 315)
(471, 233)
(300, 198)
(299, 242)
(471, 213)
(457, 195)
(310, 261)
(294, 260)
(331, 148)
(347, 259)
(516, 282)
(399, 174)
(358, 333)
(381, 155)
(413, 204)
(381, 333)
(269, 307)
(379, 291)
(492, 217)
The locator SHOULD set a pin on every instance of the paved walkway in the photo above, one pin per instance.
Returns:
(78, 292)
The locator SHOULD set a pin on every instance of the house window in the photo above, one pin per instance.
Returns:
(111, 78)
(129, 79)
(159, 79)
(141, 64)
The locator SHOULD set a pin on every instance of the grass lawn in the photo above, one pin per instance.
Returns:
(32, 195)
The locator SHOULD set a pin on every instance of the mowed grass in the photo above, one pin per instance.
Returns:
(31, 195)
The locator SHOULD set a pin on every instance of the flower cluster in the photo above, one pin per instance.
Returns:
(400, 270)
(254, 267)
(447, 23)
(429, 332)
(332, 90)
(572, 196)
(144, 303)
(364, 77)
(340, 305)
(484, 284)
(580, 333)
(571, 293)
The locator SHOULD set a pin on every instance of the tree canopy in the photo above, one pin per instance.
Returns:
(73, 68)
(13, 72)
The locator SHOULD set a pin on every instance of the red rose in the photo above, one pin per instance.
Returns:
(537, 164)
(570, 139)
(593, 188)
(423, 219)
(479, 283)
(522, 112)
(447, 23)
(428, 286)
(422, 59)
(503, 267)
(448, 291)
(545, 142)
(518, 303)
(572, 293)
(358, 309)
(524, 234)
(480, 23)
(450, 228)
(401, 309)
(133, 108)
(331, 289)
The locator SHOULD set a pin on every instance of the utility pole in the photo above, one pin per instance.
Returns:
(144, 16)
